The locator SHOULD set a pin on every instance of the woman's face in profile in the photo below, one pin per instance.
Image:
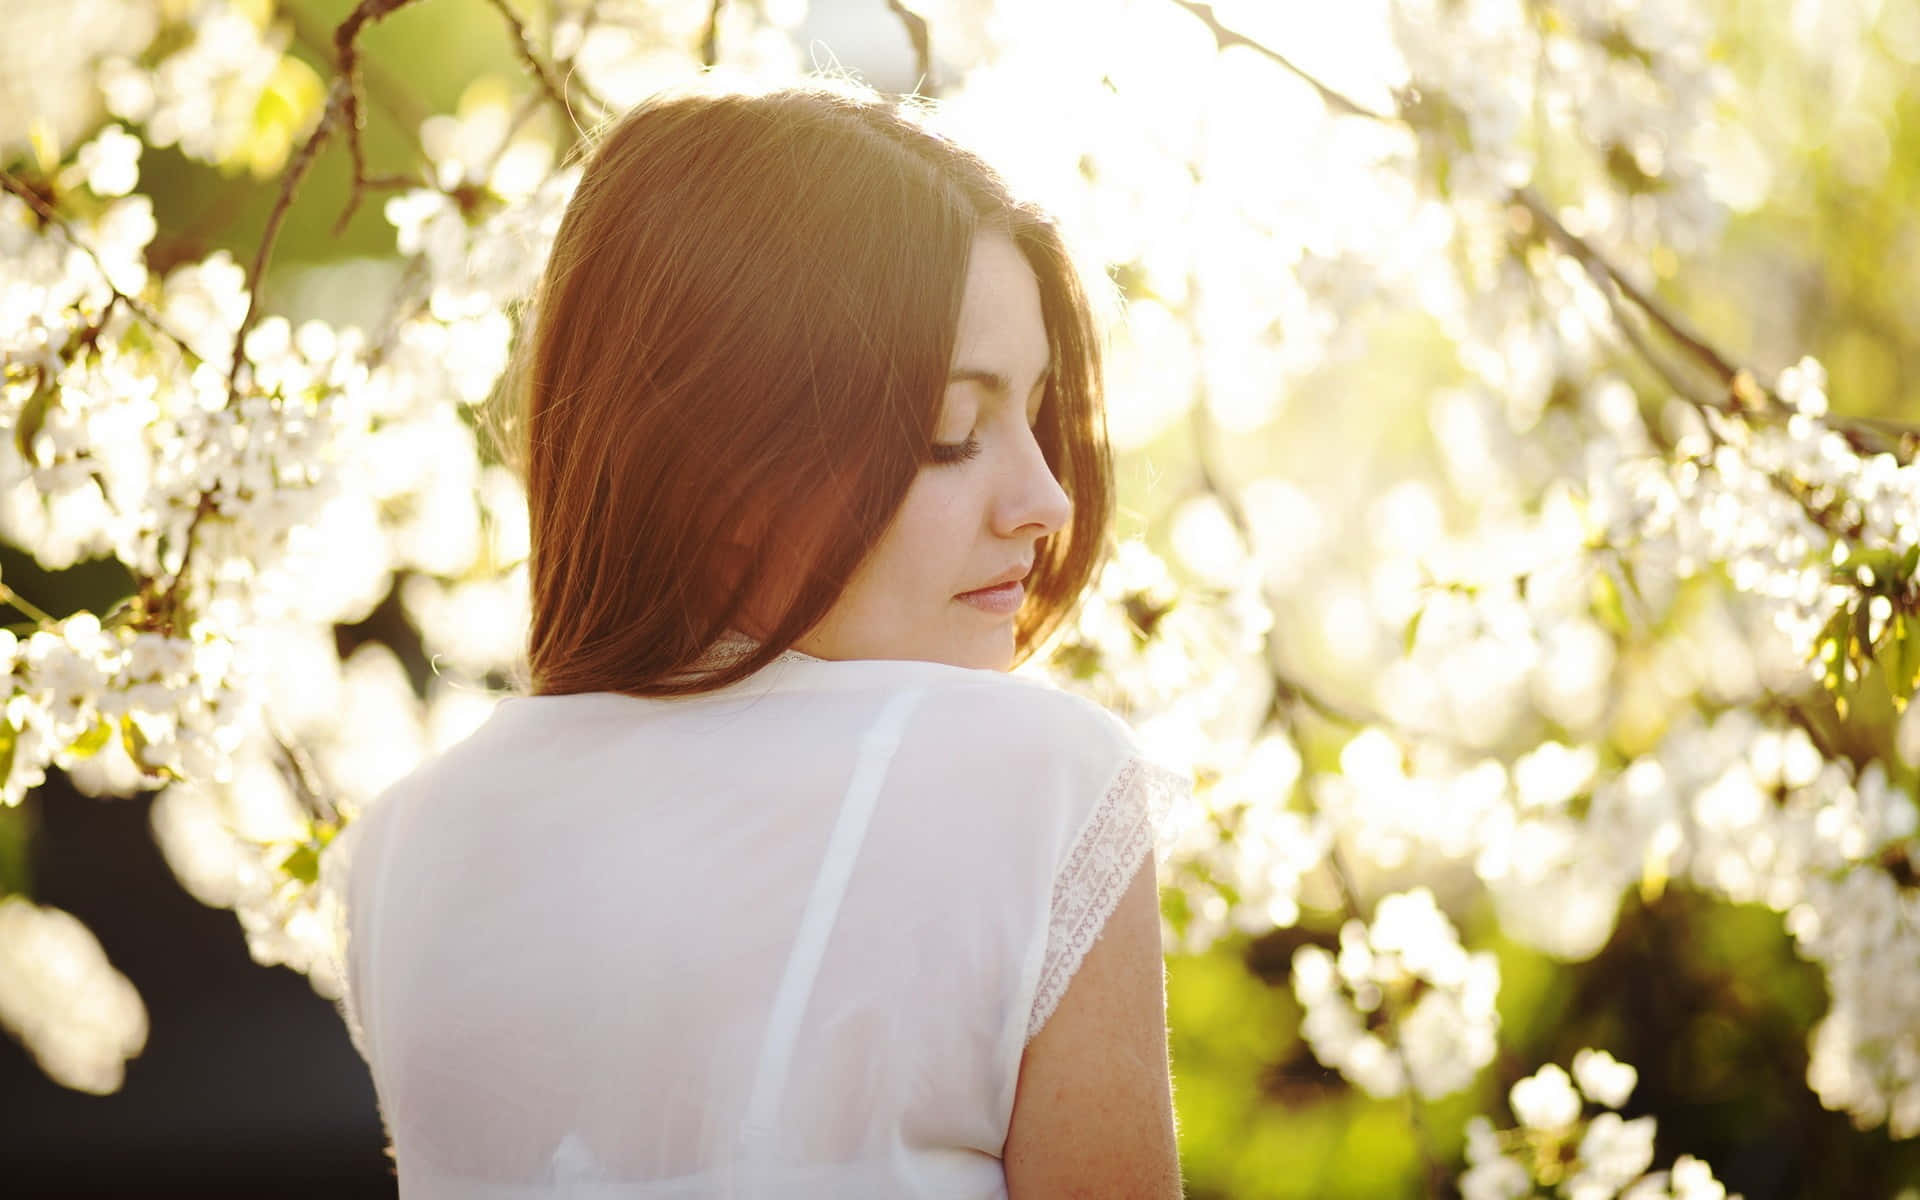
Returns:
(977, 514)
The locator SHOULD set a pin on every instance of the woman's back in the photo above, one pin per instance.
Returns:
(790, 938)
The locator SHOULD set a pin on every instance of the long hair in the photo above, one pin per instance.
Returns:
(743, 335)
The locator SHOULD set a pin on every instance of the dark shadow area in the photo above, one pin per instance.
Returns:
(248, 1085)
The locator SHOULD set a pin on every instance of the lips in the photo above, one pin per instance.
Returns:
(1016, 575)
(1002, 600)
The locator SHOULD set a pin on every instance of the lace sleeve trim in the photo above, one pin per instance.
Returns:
(1102, 862)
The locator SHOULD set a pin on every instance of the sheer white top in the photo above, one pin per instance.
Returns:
(787, 939)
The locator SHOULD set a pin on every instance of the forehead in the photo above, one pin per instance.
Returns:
(1001, 327)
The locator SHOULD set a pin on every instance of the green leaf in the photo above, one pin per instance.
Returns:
(303, 863)
(1877, 560)
(1903, 668)
(134, 741)
(9, 738)
(1625, 568)
(1830, 648)
(33, 415)
(93, 740)
(1078, 660)
(285, 109)
(1412, 631)
(1608, 603)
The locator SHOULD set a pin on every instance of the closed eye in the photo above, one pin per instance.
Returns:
(997, 387)
(956, 452)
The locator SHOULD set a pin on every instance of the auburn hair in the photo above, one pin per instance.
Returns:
(743, 335)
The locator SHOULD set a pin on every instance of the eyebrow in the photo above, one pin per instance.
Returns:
(994, 381)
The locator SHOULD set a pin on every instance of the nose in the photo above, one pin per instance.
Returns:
(1031, 502)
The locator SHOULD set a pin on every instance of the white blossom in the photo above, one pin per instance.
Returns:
(1604, 1079)
(79, 1017)
(1545, 1100)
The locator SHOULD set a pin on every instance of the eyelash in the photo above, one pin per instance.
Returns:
(945, 453)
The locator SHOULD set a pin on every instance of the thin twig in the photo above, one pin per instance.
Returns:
(338, 97)
(1636, 341)
(299, 769)
(710, 37)
(47, 215)
(1739, 382)
(557, 88)
(1669, 323)
(362, 181)
(342, 104)
(920, 34)
(529, 104)
(1223, 37)
(173, 596)
(40, 615)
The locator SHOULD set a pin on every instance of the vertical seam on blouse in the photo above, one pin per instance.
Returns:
(877, 749)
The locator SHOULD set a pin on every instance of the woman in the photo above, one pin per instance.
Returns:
(775, 884)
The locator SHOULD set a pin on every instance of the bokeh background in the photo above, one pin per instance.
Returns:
(1395, 584)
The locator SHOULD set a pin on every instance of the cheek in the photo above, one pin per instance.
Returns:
(926, 546)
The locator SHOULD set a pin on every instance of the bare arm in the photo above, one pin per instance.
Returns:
(1093, 1108)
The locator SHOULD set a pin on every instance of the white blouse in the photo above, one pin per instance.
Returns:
(785, 939)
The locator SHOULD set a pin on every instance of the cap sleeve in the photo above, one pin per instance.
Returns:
(1118, 834)
(1031, 810)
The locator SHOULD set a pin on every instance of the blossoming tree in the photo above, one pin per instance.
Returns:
(1573, 610)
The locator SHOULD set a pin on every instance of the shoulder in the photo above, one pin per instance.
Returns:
(1011, 749)
(1014, 714)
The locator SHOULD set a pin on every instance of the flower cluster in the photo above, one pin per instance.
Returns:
(1401, 998)
(117, 709)
(1558, 1146)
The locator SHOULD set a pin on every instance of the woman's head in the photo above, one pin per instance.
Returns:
(737, 407)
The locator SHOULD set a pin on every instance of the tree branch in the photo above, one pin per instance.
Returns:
(1745, 394)
(406, 110)
(347, 54)
(1739, 382)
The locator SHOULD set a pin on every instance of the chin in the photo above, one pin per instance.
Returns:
(997, 655)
